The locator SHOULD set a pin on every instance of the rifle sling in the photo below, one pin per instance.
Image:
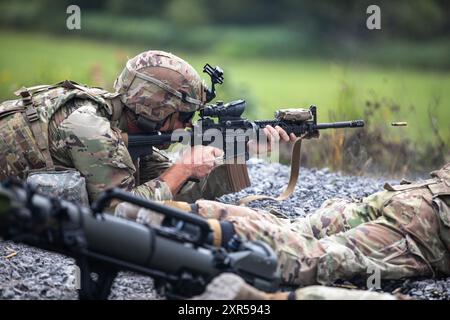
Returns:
(295, 170)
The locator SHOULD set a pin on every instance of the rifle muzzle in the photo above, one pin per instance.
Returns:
(342, 124)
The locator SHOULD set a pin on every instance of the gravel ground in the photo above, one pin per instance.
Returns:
(36, 274)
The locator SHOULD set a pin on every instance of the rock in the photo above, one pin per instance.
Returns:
(429, 287)
(8, 294)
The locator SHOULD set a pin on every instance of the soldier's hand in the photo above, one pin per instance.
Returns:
(274, 136)
(199, 161)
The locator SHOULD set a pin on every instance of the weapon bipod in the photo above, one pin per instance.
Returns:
(95, 280)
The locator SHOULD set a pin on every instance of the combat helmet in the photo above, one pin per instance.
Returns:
(155, 84)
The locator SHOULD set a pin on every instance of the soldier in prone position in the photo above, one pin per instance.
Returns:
(73, 126)
(403, 231)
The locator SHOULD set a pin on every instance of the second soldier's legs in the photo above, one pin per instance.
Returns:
(372, 247)
(340, 241)
(339, 215)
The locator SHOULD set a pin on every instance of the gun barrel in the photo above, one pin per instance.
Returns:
(146, 140)
(342, 124)
(141, 144)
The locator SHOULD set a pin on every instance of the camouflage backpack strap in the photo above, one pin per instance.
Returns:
(90, 92)
(34, 89)
(438, 184)
(404, 185)
(32, 118)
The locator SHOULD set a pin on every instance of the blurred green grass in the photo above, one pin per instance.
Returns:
(339, 89)
(345, 90)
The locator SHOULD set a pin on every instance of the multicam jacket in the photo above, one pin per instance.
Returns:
(77, 126)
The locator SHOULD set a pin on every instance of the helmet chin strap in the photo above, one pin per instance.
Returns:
(147, 125)
(135, 123)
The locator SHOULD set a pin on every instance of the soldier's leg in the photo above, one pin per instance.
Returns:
(373, 247)
(291, 247)
(375, 235)
(404, 241)
(334, 216)
(339, 215)
(218, 210)
(379, 246)
(303, 259)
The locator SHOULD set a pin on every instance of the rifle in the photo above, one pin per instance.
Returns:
(222, 126)
(232, 131)
(178, 255)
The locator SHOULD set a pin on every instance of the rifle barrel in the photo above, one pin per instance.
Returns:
(342, 124)
(147, 139)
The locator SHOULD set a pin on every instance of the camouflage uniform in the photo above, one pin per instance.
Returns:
(403, 231)
(78, 124)
(82, 135)
(78, 127)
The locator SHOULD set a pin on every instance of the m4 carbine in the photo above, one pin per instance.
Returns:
(177, 255)
(225, 122)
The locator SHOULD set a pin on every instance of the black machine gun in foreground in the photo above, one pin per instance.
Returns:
(225, 121)
(177, 255)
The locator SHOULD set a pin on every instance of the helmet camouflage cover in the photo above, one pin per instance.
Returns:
(155, 84)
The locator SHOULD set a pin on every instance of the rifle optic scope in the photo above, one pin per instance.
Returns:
(233, 109)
